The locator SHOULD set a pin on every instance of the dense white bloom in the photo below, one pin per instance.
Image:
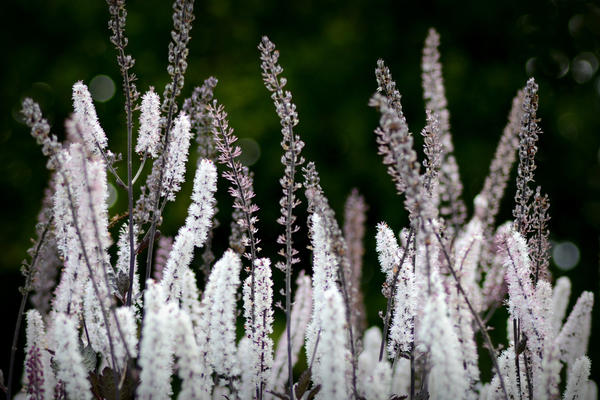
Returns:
(149, 133)
(70, 367)
(261, 345)
(323, 278)
(447, 377)
(93, 134)
(69, 293)
(176, 157)
(94, 322)
(522, 298)
(575, 333)
(196, 379)
(299, 319)
(194, 232)
(247, 363)
(387, 250)
(577, 381)
(128, 327)
(220, 302)
(36, 336)
(333, 370)
(156, 347)
(373, 377)
(379, 382)
(560, 301)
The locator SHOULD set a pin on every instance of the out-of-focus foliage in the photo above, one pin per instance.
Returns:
(329, 50)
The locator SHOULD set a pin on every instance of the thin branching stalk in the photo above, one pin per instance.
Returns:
(118, 14)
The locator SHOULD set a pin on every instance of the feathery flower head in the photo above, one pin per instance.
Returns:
(176, 157)
(149, 133)
(93, 134)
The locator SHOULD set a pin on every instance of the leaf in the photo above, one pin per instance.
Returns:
(302, 385)
(90, 358)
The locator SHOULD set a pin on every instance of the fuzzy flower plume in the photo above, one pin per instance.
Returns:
(292, 146)
(323, 278)
(528, 137)
(176, 158)
(388, 252)
(156, 347)
(36, 355)
(447, 377)
(300, 317)
(196, 379)
(165, 245)
(522, 303)
(149, 133)
(261, 345)
(70, 367)
(386, 144)
(333, 371)
(578, 378)
(93, 134)
(404, 306)
(194, 232)
(128, 326)
(560, 301)
(575, 333)
(220, 304)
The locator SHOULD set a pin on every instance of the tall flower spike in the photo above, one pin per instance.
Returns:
(176, 157)
(122, 266)
(241, 188)
(93, 134)
(156, 346)
(334, 369)
(318, 203)
(575, 333)
(194, 232)
(560, 301)
(539, 243)
(292, 146)
(452, 208)
(261, 345)
(220, 302)
(417, 201)
(355, 211)
(386, 144)
(528, 136)
(578, 378)
(149, 133)
(447, 377)
(70, 367)
(40, 359)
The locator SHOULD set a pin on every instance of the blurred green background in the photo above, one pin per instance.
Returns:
(328, 50)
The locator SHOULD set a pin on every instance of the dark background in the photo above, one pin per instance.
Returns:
(328, 50)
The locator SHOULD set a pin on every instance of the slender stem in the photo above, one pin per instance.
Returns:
(129, 112)
(484, 332)
(24, 298)
(110, 167)
(517, 340)
(140, 169)
(388, 311)
(412, 370)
